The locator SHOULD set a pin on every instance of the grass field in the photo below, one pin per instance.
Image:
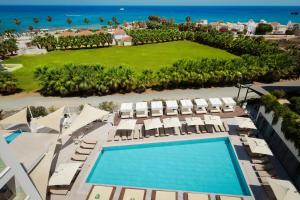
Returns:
(151, 56)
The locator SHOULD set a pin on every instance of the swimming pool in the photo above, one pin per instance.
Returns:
(202, 165)
(13, 136)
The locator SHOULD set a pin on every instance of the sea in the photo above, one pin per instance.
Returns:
(59, 14)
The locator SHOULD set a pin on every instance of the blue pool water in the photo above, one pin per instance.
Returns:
(206, 165)
(13, 136)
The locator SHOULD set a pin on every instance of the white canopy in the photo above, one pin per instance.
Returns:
(259, 146)
(127, 124)
(15, 119)
(172, 104)
(186, 103)
(141, 106)
(245, 123)
(228, 101)
(153, 123)
(212, 120)
(215, 102)
(87, 115)
(156, 105)
(53, 120)
(194, 121)
(283, 189)
(201, 103)
(126, 107)
(171, 122)
(64, 174)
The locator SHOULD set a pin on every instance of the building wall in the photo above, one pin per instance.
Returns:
(283, 149)
(14, 173)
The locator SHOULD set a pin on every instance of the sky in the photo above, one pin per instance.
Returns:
(150, 2)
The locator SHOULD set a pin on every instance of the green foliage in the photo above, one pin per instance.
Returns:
(263, 29)
(39, 111)
(108, 106)
(279, 93)
(8, 84)
(8, 47)
(291, 120)
(73, 42)
(295, 104)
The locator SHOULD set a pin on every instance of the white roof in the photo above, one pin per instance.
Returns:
(172, 104)
(15, 119)
(153, 123)
(212, 120)
(201, 102)
(87, 115)
(259, 146)
(126, 107)
(141, 106)
(171, 122)
(245, 123)
(53, 120)
(127, 124)
(186, 103)
(194, 121)
(156, 105)
(283, 189)
(215, 101)
(64, 174)
(228, 101)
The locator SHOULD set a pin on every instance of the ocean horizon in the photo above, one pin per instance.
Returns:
(77, 13)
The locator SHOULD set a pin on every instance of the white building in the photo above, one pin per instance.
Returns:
(251, 26)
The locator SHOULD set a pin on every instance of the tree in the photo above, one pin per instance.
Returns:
(49, 19)
(188, 19)
(110, 23)
(263, 29)
(30, 28)
(101, 19)
(86, 21)
(69, 21)
(17, 21)
(115, 20)
(36, 20)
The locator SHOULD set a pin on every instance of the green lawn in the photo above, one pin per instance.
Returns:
(153, 56)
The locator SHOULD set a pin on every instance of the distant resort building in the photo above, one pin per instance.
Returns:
(121, 38)
(251, 26)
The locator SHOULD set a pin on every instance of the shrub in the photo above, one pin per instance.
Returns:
(108, 106)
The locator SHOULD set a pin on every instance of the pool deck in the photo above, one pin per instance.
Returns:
(80, 188)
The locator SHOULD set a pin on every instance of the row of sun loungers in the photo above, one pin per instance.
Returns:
(108, 193)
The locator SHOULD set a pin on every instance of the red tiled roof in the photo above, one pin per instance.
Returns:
(119, 32)
(85, 32)
(67, 33)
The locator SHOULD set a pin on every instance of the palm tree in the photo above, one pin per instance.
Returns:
(30, 28)
(110, 23)
(17, 21)
(188, 19)
(115, 20)
(86, 21)
(36, 20)
(101, 19)
(49, 19)
(69, 21)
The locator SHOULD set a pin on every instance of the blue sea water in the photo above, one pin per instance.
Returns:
(59, 14)
(205, 165)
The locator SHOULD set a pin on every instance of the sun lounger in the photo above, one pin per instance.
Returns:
(161, 132)
(117, 136)
(87, 146)
(89, 141)
(191, 129)
(126, 115)
(141, 114)
(195, 196)
(157, 113)
(203, 129)
(271, 173)
(142, 132)
(186, 111)
(215, 110)
(171, 112)
(123, 135)
(136, 133)
(222, 197)
(200, 110)
(209, 128)
(183, 129)
(130, 134)
(263, 180)
(228, 109)
(79, 157)
(58, 191)
(259, 167)
(260, 160)
(132, 193)
(197, 130)
(177, 131)
(83, 151)
(217, 129)
(167, 131)
(221, 127)
(156, 133)
(164, 195)
(101, 192)
(226, 126)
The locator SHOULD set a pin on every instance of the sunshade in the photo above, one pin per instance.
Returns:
(172, 104)
(64, 174)
(212, 120)
(283, 189)
(15, 119)
(126, 107)
(53, 120)
(215, 101)
(228, 101)
(156, 105)
(153, 123)
(186, 103)
(194, 121)
(245, 123)
(201, 103)
(171, 122)
(127, 124)
(259, 146)
(87, 115)
(141, 106)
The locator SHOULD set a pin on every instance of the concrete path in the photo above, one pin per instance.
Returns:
(21, 100)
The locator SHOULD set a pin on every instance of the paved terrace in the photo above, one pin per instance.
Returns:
(80, 188)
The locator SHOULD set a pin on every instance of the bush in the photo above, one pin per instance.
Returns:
(8, 84)
(39, 111)
(279, 93)
(108, 106)
(295, 104)
(262, 29)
